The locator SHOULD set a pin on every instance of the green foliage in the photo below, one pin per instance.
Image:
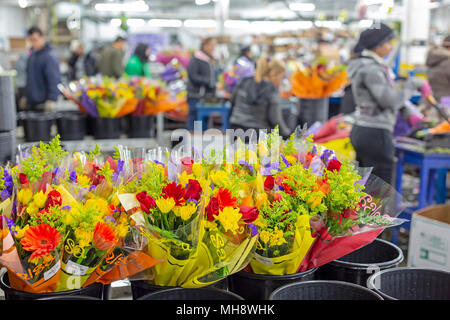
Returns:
(2, 185)
(106, 171)
(289, 147)
(278, 215)
(94, 153)
(54, 218)
(152, 181)
(116, 154)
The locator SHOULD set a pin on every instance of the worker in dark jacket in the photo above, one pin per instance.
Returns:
(110, 62)
(256, 102)
(43, 75)
(378, 102)
(201, 77)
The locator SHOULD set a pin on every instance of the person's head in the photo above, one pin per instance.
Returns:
(247, 52)
(378, 39)
(142, 51)
(119, 43)
(208, 45)
(446, 42)
(36, 38)
(270, 69)
(76, 47)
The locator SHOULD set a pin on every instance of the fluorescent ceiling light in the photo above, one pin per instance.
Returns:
(331, 24)
(135, 22)
(365, 23)
(236, 24)
(135, 6)
(294, 25)
(389, 3)
(165, 23)
(23, 3)
(191, 23)
(302, 6)
(202, 2)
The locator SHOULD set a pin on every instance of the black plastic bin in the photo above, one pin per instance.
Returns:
(71, 125)
(359, 265)
(411, 284)
(141, 288)
(323, 290)
(141, 126)
(37, 125)
(253, 286)
(192, 294)
(107, 128)
(312, 110)
(71, 298)
(7, 146)
(94, 290)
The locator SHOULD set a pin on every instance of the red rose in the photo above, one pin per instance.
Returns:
(193, 190)
(53, 199)
(146, 201)
(350, 214)
(212, 209)
(186, 164)
(334, 165)
(249, 214)
(98, 179)
(23, 178)
(269, 183)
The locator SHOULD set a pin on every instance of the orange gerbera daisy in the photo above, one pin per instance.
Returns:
(41, 239)
(225, 199)
(104, 236)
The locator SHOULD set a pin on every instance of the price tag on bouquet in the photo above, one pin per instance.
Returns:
(75, 268)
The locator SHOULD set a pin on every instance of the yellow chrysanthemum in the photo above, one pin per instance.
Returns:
(185, 212)
(39, 199)
(24, 196)
(84, 181)
(32, 208)
(264, 236)
(315, 201)
(229, 219)
(184, 178)
(84, 237)
(277, 238)
(122, 230)
(21, 231)
(219, 177)
(99, 204)
(292, 160)
(261, 200)
(165, 205)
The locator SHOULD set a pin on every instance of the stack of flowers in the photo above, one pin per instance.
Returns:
(6, 203)
(241, 69)
(318, 80)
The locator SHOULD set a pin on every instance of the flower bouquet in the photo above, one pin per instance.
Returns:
(243, 68)
(6, 196)
(318, 80)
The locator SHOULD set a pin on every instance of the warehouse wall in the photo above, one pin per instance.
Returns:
(12, 22)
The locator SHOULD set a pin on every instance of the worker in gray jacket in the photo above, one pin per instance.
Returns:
(256, 102)
(378, 102)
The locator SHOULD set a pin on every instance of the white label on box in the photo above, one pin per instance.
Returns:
(75, 268)
(52, 271)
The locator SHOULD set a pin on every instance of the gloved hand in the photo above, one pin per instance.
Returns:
(416, 119)
(49, 106)
(426, 89)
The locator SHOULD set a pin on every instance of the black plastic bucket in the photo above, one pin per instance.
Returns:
(107, 128)
(411, 284)
(359, 265)
(141, 288)
(37, 125)
(141, 126)
(71, 125)
(253, 286)
(71, 298)
(323, 290)
(192, 294)
(94, 290)
(7, 146)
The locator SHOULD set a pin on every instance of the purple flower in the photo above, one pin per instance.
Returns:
(253, 229)
(10, 224)
(325, 157)
(92, 187)
(248, 165)
(73, 176)
(285, 161)
(66, 207)
(158, 162)
(110, 219)
(269, 167)
(193, 200)
(5, 194)
(120, 164)
(314, 149)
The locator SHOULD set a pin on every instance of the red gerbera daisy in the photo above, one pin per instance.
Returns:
(225, 198)
(174, 191)
(41, 239)
(104, 236)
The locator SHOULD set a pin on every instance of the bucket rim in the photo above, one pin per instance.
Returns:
(230, 293)
(74, 292)
(371, 279)
(362, 266)
(336, 282)
(252, 275)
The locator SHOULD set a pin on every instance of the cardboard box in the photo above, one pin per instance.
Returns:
(429, 242)
(17, 43)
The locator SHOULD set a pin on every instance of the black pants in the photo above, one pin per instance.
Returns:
(374, 148)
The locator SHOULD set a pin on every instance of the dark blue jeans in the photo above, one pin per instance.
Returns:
(192, 102)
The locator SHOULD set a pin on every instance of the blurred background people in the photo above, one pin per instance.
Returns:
(202, 77)
(43, 74)
(138, 64)
(110, 61)
(377, 102)
(256, 102)
(76, 61)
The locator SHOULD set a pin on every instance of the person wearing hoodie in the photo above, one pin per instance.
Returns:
(201, 77)
(256, 102)
(378, 102)
(438, 63)
(43, 75)
(138, 64)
